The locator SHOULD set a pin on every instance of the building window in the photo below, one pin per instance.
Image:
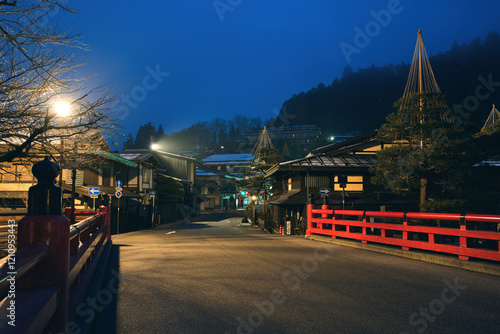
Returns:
(354, 183)
(289, 184)
(145, 175)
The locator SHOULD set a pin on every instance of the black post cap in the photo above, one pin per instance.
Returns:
(45, 198)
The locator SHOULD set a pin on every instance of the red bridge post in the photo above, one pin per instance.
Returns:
(106, 210)
(46, 223)
(310, 207)
(324, 207)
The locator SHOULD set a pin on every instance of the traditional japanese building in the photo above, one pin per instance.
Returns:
(289, 140)
(216, 177)
(343, 169)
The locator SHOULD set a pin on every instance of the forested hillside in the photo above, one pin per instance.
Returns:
(359, 101)
(356, 103)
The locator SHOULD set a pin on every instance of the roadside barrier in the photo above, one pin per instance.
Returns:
(46, 278)
(468, 236)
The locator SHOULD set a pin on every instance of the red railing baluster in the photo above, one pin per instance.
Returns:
(364, 228)
(324, 207)
(463, 240)
(310, 207)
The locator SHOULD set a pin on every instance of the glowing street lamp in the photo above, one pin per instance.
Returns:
(155, 147)
(62, 109)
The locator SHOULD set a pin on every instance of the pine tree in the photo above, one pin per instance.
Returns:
(129, 143)
(169, 190)
(145, 136)
(160, 133)
(425, 150)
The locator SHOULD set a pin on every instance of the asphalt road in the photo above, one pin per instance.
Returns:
(215, 276)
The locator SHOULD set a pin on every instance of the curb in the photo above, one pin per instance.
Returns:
(95, 286)
(480, 267)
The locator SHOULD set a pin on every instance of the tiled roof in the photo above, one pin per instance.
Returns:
(200, 172)
(347, 160)
(116, 157)
(136, 156)
(229, 158)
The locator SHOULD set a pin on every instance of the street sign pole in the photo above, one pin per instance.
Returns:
(343, 184)
(118, 194)
(118, 218)
(343, 198)
(94, 192)
(325, 192)
(153, 218)
(152, 193)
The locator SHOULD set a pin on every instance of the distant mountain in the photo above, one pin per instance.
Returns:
(359, 102)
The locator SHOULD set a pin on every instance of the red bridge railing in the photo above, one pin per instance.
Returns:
(37, 299)
(468, 236)
(43, 282)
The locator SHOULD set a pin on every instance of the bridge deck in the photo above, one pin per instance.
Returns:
(214, 276)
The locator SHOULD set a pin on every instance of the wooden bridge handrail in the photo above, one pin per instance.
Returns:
(25, 259)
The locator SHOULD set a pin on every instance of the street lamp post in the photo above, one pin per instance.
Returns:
(63, 109)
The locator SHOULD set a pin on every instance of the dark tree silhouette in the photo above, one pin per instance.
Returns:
(129, 143)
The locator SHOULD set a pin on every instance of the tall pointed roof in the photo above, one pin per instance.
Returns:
(264, 154)
(421, 77)
(492, 118)
(421, 80)
(264, 140)
(264, 150)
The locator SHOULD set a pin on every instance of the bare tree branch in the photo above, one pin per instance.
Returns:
(38, 68)
(8, 3)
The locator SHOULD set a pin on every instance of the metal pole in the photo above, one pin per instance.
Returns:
(153, 217)
(62, 155)
(254, 213)
(118, 218)
(73, 193)
(343, 198)
(307, 185)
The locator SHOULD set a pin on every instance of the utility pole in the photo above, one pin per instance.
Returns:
(73, 193)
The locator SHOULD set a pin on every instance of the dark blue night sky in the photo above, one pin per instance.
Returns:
(176, 62)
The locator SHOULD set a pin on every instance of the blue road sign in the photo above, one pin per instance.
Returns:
(152, 193)
(118, 194)
(94, 191)
(118, 184)
(324, 191)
